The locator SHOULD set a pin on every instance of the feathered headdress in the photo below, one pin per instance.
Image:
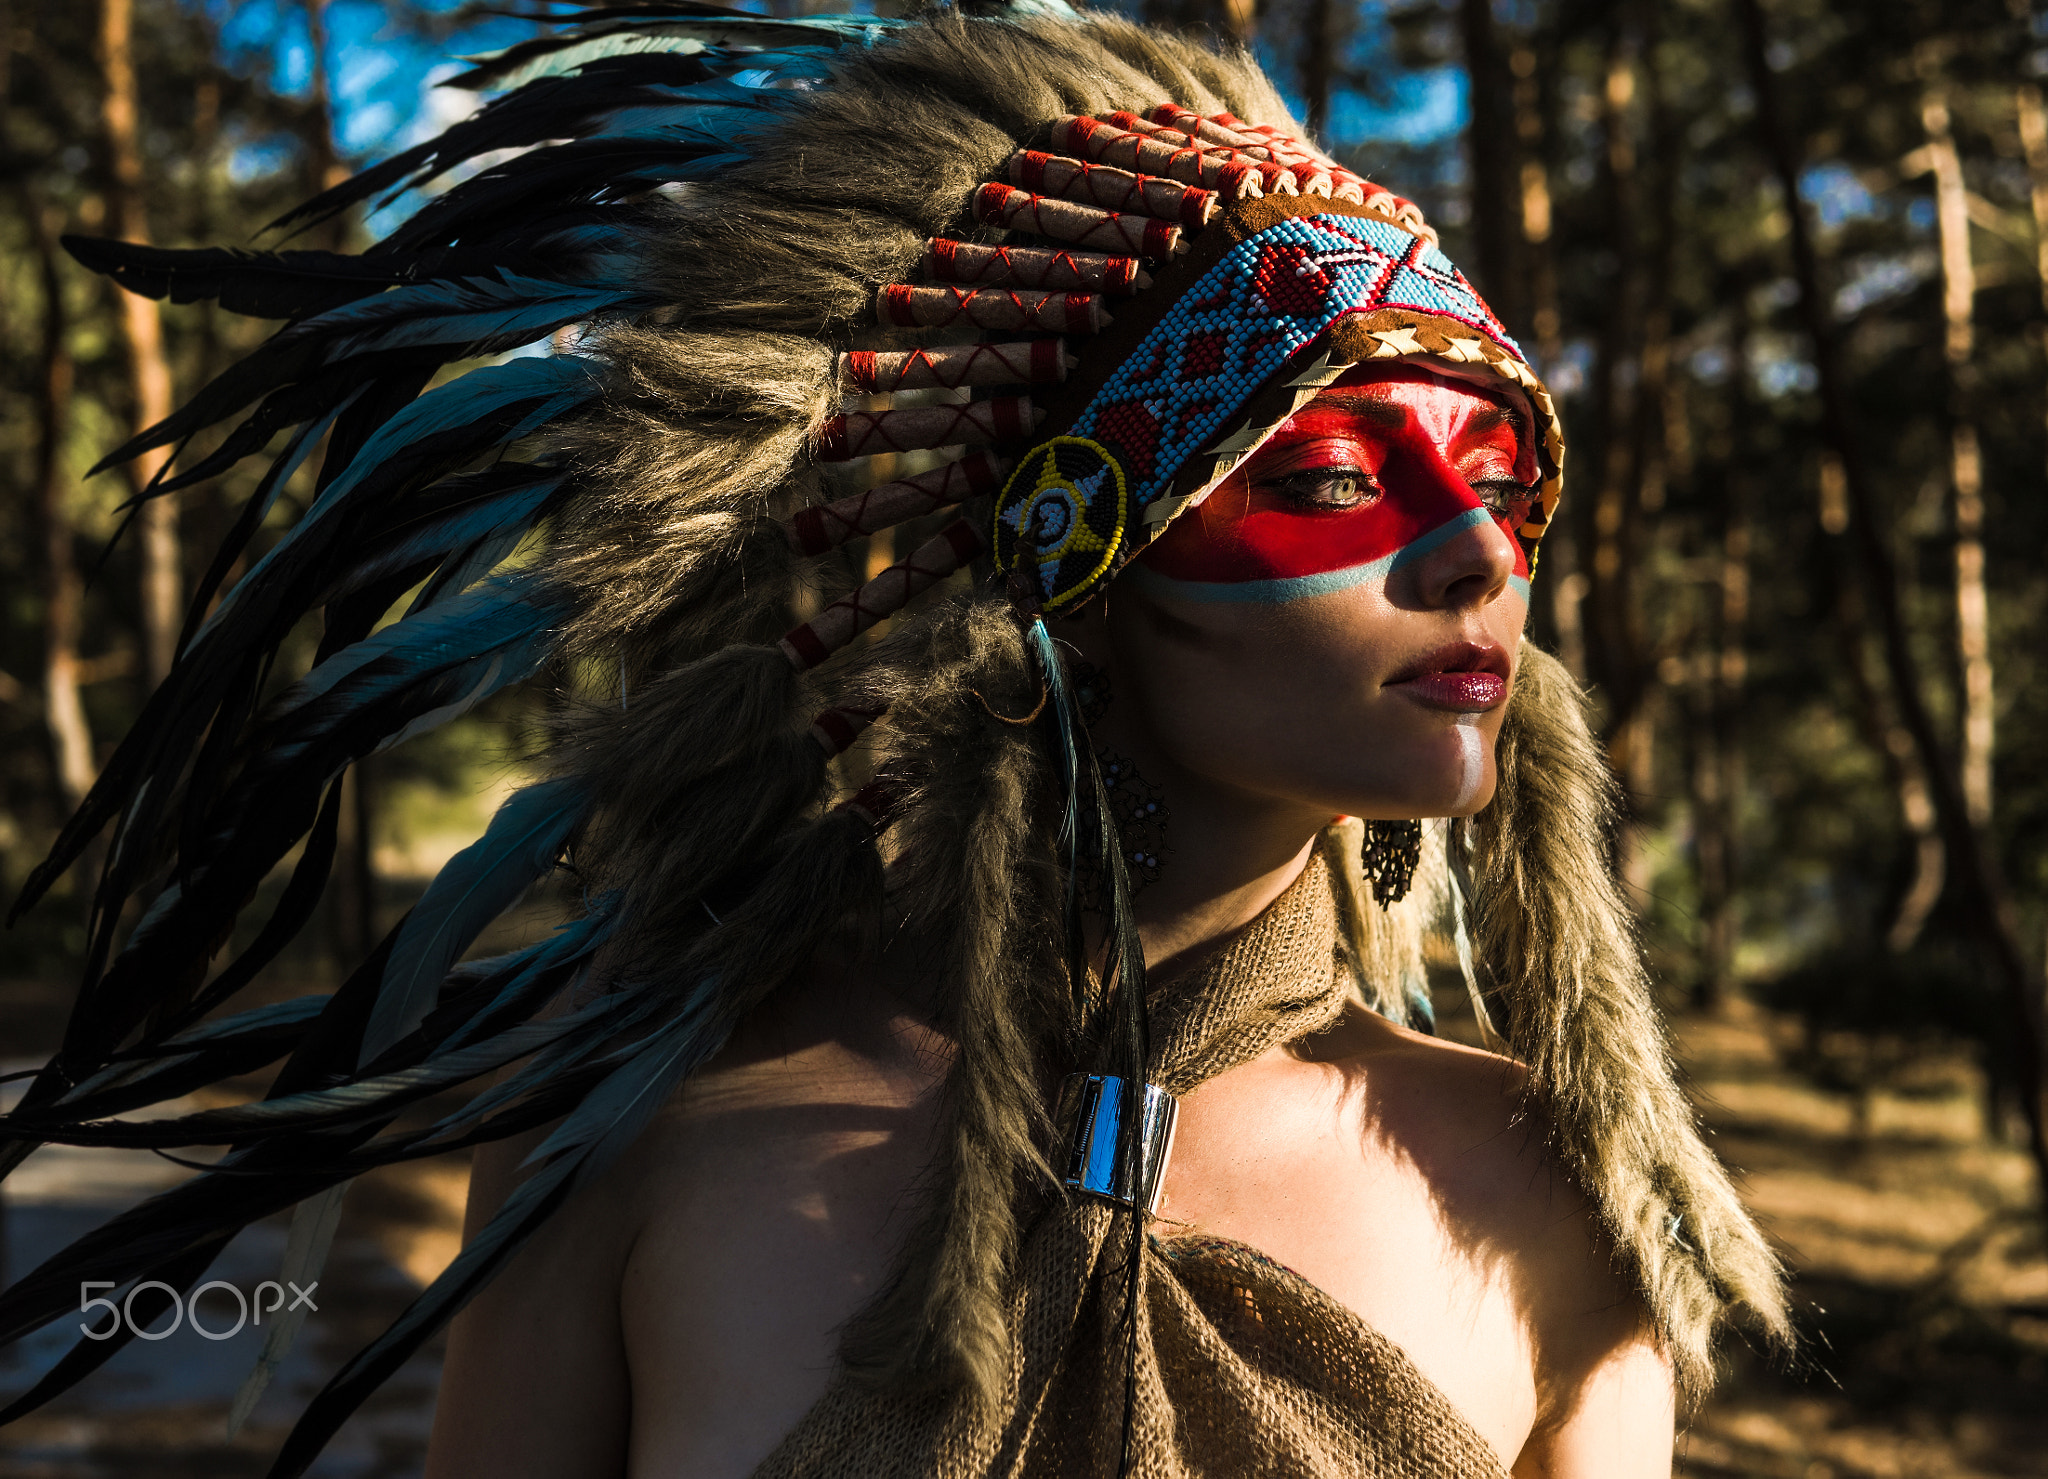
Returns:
(1062, 251)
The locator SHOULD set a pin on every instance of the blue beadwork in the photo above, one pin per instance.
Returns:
(1368, 265)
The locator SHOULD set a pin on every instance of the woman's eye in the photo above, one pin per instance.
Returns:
(1505, 498)
(1327, 488)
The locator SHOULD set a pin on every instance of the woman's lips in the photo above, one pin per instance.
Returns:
(1459, 692)
(1463, 677)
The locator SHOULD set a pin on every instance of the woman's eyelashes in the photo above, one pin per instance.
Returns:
(1339, 489)
(1505, 498)
(1334, 488)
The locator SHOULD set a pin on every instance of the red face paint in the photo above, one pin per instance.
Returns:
(1385, 465)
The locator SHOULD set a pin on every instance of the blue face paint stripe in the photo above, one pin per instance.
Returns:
(1301, 587)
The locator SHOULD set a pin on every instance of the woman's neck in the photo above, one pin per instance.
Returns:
(1232, 855)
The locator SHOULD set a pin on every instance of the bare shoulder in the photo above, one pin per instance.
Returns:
(765, 1205)
(1459, 1115)
(712, 1262)
(1408, 1178)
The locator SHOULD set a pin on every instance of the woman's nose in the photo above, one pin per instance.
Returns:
(1468, 569)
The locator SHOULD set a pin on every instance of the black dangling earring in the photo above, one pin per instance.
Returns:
(1391, 851)
(1142, 817)
(1091, 690)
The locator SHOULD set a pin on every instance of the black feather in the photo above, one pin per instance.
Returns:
(257, 284)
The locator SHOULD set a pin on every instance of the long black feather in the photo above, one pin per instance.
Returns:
(549, 108)
(257, 284)
(181, 1271)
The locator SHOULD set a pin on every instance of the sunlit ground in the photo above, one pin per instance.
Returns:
(1918, 1250)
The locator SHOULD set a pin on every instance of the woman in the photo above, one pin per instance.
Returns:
(716, 1264)
(840, 1138)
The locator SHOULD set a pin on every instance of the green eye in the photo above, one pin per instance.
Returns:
(1327, 488)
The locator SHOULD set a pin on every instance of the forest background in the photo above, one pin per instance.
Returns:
(1785, 263)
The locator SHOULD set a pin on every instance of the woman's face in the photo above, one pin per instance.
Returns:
(1335, 627)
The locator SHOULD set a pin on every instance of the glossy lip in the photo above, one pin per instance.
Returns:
(1461, 677)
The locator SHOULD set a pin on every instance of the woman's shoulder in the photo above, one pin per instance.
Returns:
(1482, 1146)
(828, 1064)
(1462, 1119)
(1459, 1112)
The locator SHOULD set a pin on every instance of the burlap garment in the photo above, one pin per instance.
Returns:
(1243, 1368)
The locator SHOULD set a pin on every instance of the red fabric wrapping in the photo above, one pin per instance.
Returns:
(888, 593)
(1111, 188)
(1233, 176)
(1274, 178)
(876, 801)
(914, 428)
(1066, 220)
(946, 260)
(1032, 362)
(836, 730)
(1207, 130)
(946, 306)
(1306, 162)
(825, 526)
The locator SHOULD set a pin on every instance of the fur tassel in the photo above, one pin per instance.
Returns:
(974, 867)
(1557, 940)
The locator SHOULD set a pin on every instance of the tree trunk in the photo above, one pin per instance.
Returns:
(1720, 781)
(323, 161)
(72, 761)
(1608, 512)
(1318, 62)
(1490, 142)
(2033, 121)
(1980, 886)
(142, 339)
(1966, 476)
(1610, 528)
(1535, 96)
(1559, 617)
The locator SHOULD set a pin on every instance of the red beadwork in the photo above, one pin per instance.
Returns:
(990, 308)
(1111, 188)
(884, 596)
(1083, 225)
(914, 428)
(825, 526)
(1034, 362)
(946, 260)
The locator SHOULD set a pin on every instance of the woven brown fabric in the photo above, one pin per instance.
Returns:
(1243, 1368)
